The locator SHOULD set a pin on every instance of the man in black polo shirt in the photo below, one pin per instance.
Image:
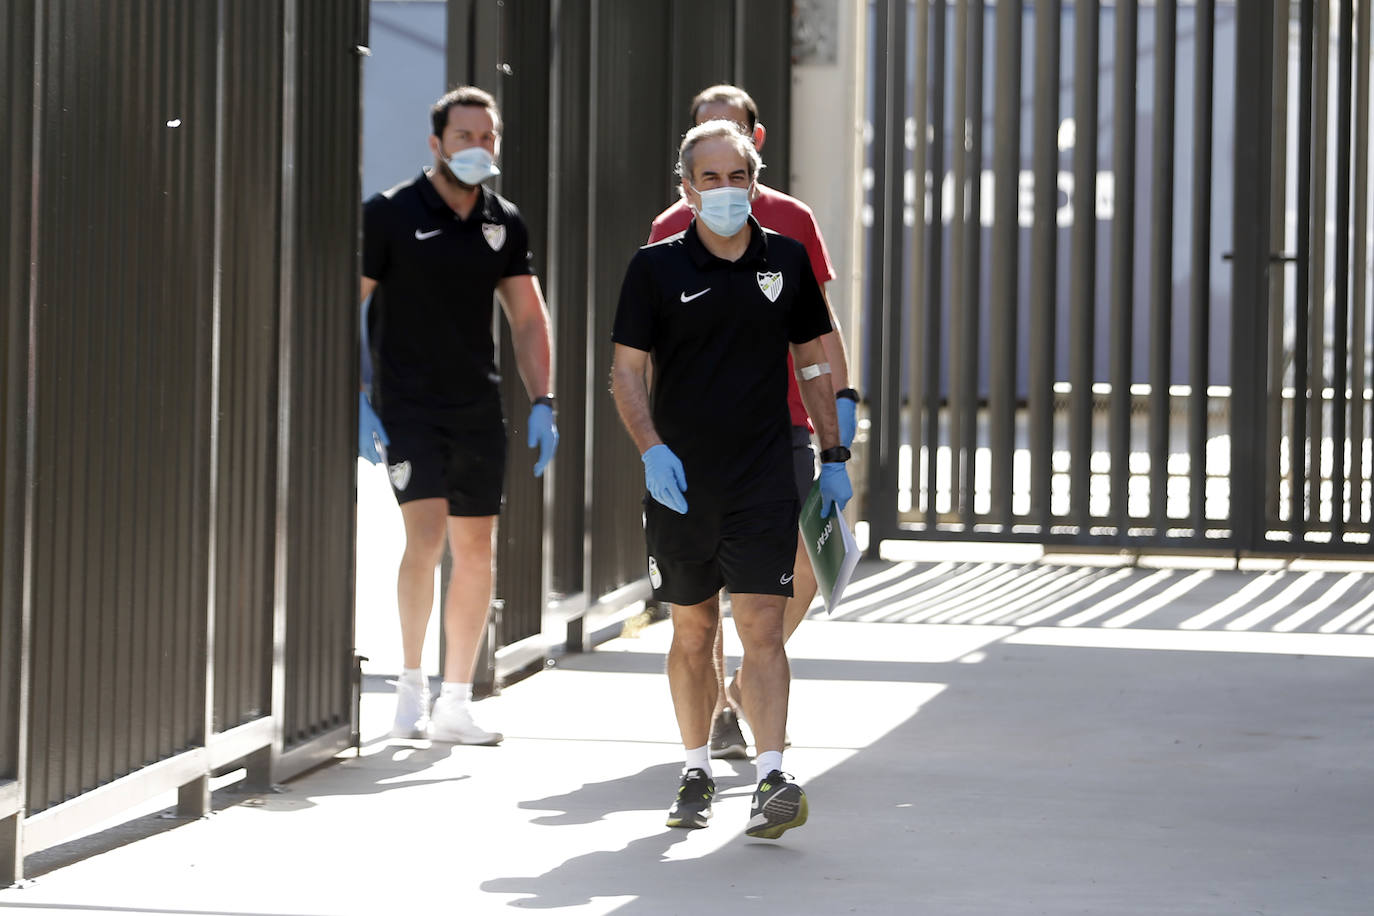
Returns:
(435, 250)
(716, 307)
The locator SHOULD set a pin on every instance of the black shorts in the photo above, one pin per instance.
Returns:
(749, 550)
(458, 457)
(803, 461)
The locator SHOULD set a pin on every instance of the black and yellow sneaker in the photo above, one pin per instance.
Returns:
(779, 805)
(693, 805)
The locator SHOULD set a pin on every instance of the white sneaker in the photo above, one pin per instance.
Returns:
(452, 721)
(412, 709)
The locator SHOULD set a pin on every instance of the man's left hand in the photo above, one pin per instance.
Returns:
(544, 433)
(835, 486)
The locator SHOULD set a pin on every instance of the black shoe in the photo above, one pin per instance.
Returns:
(779, 805)
(693, 805)
(727, 741)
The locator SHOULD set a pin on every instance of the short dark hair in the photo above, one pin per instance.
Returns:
(463, 95)
(726, 94)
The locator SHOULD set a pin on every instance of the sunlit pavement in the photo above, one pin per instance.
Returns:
(1146, 759)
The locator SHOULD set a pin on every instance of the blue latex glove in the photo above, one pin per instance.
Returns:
(543, 432)
(835, 486)
(370, 431)
(664, 477)
(846, 413)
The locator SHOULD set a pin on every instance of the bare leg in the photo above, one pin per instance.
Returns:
(690, 679)
(469, 593)
(803, 593)
(758, 618)
(424, 525)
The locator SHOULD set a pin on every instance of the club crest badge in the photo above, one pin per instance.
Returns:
(400, 474)
(495, 235)
(655, 577)
(771, 284)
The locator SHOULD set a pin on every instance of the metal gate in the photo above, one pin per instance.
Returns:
(177, 262)
(1098, 311)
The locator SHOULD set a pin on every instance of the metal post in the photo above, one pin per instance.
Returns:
(1250, 266)
(1044, 260)
(1162, 263)
(973, 267)
(1083, 279)
(934, 263)
(885, 275)
(1005, 248)
(1123, 263)
(1200, 290)
(1297, 435)
(918, 344)
(958, 245)
(1360, 351)
(1340, 319)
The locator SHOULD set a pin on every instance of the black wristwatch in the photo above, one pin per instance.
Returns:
(545, 399)
(848, 393)
(836, 454)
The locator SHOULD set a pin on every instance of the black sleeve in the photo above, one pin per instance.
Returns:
(520, 260)
(375, 237)
(809, 318)
(638, 306)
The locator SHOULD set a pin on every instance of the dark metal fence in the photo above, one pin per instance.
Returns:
(178, 266)
(1083, 329)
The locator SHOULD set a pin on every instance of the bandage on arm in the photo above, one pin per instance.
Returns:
(815, 370)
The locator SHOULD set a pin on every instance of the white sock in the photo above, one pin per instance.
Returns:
(699, 758)
(412, 676)
(767, 762)
(456, 690)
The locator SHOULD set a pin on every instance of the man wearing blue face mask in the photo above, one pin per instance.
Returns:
(718, 308)
(436, 250)
(789, 216)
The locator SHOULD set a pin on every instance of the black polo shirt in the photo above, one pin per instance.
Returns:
(718, 332)
(430, 323)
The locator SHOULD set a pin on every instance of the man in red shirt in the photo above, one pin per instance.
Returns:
(789, 216)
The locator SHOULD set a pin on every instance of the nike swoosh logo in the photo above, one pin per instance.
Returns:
(686, 298)
(785, 579)
(421, 236)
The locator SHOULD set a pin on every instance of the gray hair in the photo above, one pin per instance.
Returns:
(713, 130)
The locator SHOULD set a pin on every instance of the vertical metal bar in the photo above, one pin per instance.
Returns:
(918, 345)
(1200, 290)
(885, 277)
(1254, 26)
(1005, 267)
(1340, 319)
(1162, 263)
(1316, 302)
(1083, 281)
(282, 555)
(1297, 434)
(1044, 260)
(1123, 262)
(973, 267)
(1271, 443)
(1359, 471)
(934, 263)
(958, 246)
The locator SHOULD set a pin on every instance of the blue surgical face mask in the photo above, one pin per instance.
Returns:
(472, 166)
(724, 210)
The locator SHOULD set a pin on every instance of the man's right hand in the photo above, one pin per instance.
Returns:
(665, 478)
(370, 431)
